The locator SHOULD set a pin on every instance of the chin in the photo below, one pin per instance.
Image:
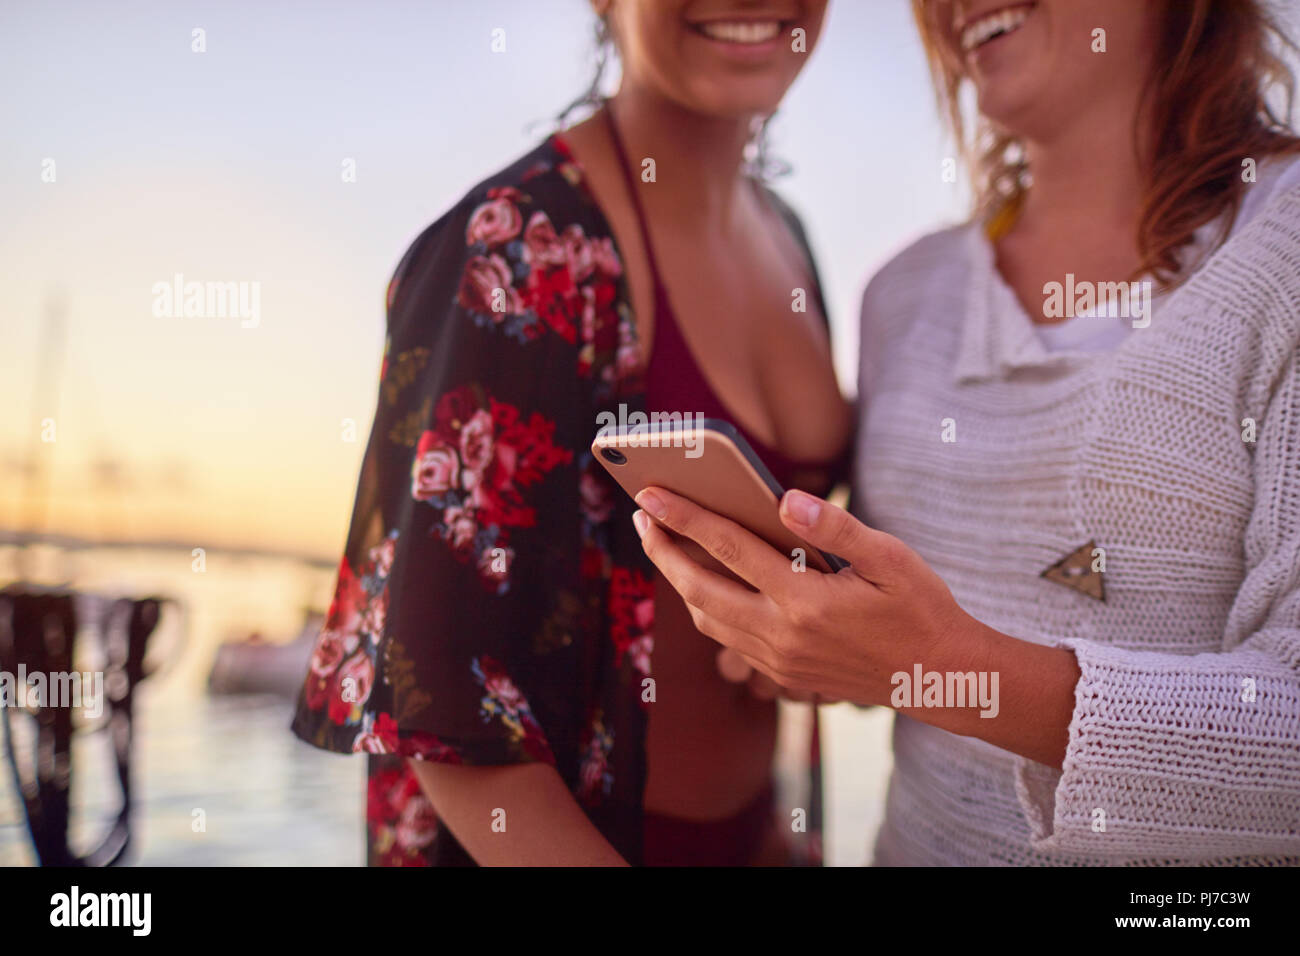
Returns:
(736, 107)
(1011, 110)
(730, 96)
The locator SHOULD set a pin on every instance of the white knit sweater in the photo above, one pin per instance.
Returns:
(1171, 757)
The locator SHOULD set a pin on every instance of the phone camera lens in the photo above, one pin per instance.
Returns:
(613, 456)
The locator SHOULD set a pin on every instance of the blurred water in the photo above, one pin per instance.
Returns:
(267, 798)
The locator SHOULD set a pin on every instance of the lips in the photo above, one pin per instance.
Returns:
(992, 25)
(740, 32)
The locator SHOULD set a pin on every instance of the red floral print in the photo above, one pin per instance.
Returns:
(341, 672)
(503, 701)
(495, 221)
(474, 465)
(632, 607)
(400, 818)
(594, 777)
(562, 281)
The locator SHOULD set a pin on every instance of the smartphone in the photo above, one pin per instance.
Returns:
(712, 465)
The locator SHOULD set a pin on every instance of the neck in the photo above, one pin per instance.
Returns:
(698, 159)
(1087, 171)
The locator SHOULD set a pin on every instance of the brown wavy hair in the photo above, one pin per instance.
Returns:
(1207, 103)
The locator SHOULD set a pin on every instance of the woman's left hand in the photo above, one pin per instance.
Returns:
(841, 635)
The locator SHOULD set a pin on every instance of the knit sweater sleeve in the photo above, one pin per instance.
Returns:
(1198, 757)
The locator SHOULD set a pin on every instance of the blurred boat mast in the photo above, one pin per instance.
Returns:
(50, 351)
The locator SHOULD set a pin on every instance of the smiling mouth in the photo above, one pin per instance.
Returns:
(740, 32)
(989, 27)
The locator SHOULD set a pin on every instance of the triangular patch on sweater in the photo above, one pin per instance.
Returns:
(1075, 571)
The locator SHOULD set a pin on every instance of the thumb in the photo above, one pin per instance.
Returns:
(874, 555)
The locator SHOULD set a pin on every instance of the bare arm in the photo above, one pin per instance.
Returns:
(1035, 699)
(515, 815)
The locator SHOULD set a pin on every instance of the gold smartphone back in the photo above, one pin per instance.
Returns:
(711, 465)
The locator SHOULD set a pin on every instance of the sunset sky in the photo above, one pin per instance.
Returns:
(226, 166)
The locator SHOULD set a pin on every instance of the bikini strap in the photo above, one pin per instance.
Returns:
(630, 180)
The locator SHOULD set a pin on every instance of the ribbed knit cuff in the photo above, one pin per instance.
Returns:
(1166, 760)
(1075, 809)
(1037, 785)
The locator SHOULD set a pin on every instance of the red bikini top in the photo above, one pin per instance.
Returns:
(674, 380)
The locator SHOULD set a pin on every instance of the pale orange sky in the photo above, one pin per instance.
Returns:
(226, 165)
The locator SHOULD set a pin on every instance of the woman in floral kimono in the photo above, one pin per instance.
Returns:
(495, 621)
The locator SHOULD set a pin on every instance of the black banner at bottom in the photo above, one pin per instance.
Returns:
(218, 907)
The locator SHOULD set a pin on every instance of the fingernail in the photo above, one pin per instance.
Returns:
(653, 504)
(802, 508)
(641, 522)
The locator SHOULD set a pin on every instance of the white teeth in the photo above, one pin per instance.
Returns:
(741, 31)
(987, 27)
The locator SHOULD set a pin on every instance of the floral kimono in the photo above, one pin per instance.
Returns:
(493, 604)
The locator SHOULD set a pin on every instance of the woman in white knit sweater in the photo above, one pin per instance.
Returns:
(1076, 575)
